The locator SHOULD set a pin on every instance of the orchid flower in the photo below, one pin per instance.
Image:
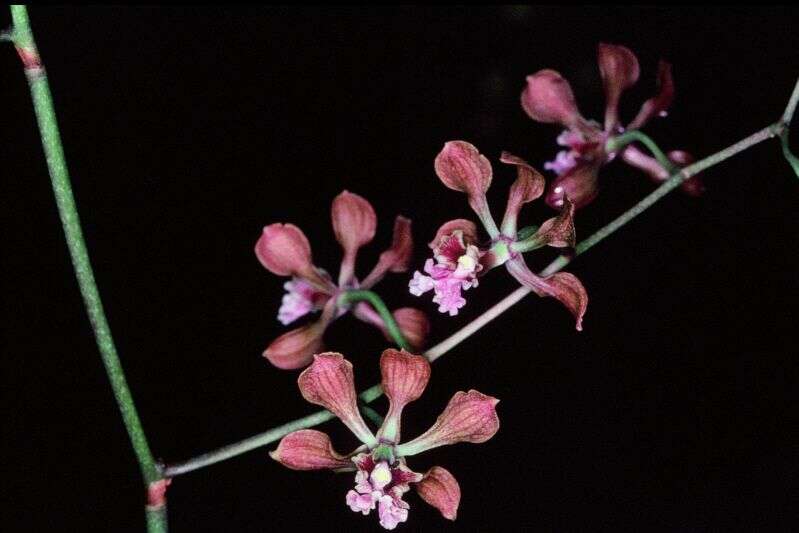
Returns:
(284, 250)
(458, 261)
(382, 476)
(548, 98)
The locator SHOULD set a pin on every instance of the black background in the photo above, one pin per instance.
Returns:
(187, 130)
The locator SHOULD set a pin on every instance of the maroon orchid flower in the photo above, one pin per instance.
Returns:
(382, 476)
(458, 261)
(284, 250)
(548, 98)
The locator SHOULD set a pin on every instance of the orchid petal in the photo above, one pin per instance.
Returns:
(529, 185)
(397, 258)
(354, 224)
(295, 348)
(620, 70)
(440, 489)
(284, 250)
(461, 167)
(414, 325)
(658, 104)
(558, 231)
(469, 417)
(308, 449)
(329, 382)
(548, 98)
(580, 185)
(405, 377)
(562, 285)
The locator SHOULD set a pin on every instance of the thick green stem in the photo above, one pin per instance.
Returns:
(157, 519)
(620, 141)
(22, 37)
(351, 297)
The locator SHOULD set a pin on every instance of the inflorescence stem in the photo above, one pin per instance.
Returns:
(22, 37)
(503, 305)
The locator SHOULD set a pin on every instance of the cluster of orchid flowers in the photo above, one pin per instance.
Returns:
(382, 476)
(460, 259)
(548, 99)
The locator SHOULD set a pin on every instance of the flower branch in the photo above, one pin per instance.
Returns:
(500, 307)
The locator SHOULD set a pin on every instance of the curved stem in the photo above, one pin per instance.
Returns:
(22, 36)
(620, 141)
(351, 297)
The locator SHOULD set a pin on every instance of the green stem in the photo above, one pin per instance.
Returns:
(22, 37)
(262, 439)
(787, 117)
(497, 309)
(620, 141)
(351, 297)
(157, 519)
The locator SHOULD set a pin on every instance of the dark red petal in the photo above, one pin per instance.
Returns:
(440, 489)
(329, 382)
(619, 69)
(661, 101)
(397, 258)
(469, 417)
(308, 449)
(580, 185)
(548, 98)
(284, 250)
(558, 231)
(354, 220)
(405, 377)
(461, 167)
(296, 348)
(563, 286)
(414, 325)
(528, 186)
